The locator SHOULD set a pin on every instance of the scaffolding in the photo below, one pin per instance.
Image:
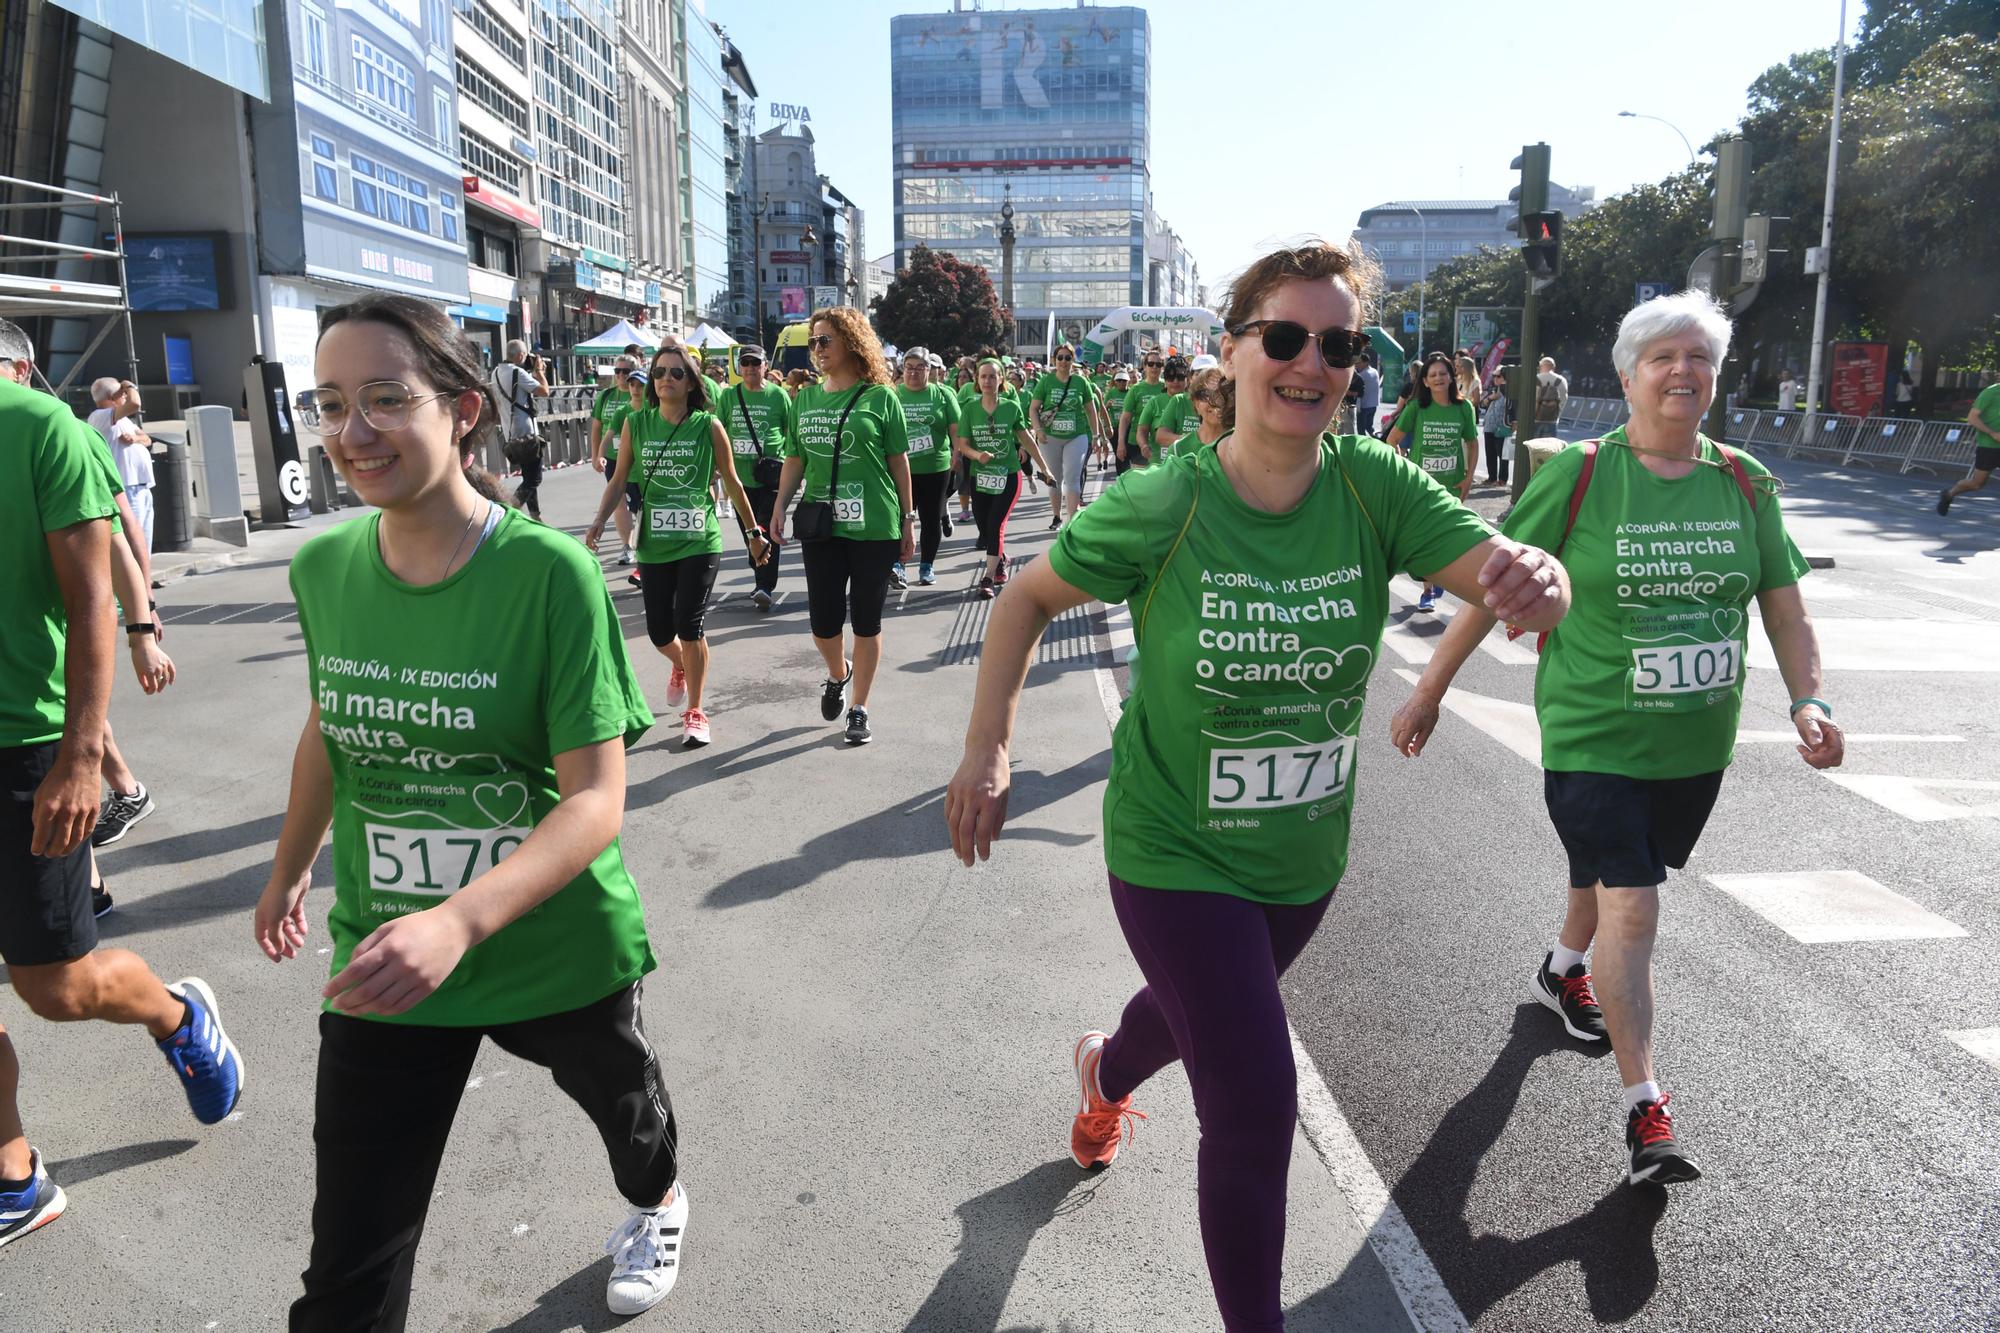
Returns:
(44, 291)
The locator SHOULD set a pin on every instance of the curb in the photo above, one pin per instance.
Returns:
(204, 564)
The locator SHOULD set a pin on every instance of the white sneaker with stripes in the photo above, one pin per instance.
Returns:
(646, 1255)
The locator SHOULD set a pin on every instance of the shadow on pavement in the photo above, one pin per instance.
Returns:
(995, 1230)
(891, 832)
(1612, 1243)
(194, 845)
(236, 891)
(575, 1302)
(73, 1171)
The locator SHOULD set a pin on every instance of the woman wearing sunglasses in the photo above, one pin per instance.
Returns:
(1061, 412)
(1257, 572)
(1178, 416)
(929, 412)
(1131, 452)
(1209, 394)
(1442, 431)
(994, 439)
(471, 701)
(849, 462)
(676, 449)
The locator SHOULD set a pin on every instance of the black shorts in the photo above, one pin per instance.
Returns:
(1986, 459)
(1624, 832)
(847, 582)
(44, 904)
(676, 595)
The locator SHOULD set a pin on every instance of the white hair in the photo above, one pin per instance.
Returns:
(103, 389)
(1669, 317)
(15, 345)
(516, 349)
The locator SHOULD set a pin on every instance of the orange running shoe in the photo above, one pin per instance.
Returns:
(1101, 1126)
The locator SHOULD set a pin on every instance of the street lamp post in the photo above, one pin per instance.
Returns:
(1007, 259)
(1826, 227)
(1641, 115)
(757, 211)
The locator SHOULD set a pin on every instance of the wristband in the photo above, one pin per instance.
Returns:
(1824, 707)
(142, 627)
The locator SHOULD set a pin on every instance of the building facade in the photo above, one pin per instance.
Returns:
(787, 214)
(739, 129)
(705, 230)
(1409, 239)
(1046, 110)
(652, 84)
(497, 157)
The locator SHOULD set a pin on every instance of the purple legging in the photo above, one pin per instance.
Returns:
(1212, 963)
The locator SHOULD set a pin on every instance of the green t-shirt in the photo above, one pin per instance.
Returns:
(443, 709)
(928, 416)
(763, 417)
(1232, 767)
(1987, 405)
(609, 410)
(54, 473)
(995, 435)
(868, 507)
(1186, 443)
(1137, 401)
(1437, 438)
(1174, 412)
(1114, 402)
(1065, 406)
(1644, 676)
(674, 467)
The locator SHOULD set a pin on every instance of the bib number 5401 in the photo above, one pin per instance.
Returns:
(1268, 777)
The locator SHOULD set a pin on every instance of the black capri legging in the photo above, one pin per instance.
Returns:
(676, 594)
(847, 581)
(928, 490)
(990, 510)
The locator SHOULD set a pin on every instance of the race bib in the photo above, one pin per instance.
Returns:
(989, 483)
(1441, 463)
(677, 520)
(1282, 757)
(1686, 657)
(849, 507)
(433, 863)
(744, 447)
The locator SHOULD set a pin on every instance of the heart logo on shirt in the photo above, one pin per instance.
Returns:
(1728, 622)
(1338, 711)
(505, 803)
(680, 474)
(1345, 677)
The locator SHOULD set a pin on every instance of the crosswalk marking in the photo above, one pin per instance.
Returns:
(1982, 1042)
(1895, 645)
(1416, 649)
(1834, 907)
(1926, 800)
(1512, 724)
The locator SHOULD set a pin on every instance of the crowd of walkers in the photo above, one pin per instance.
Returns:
(480, 889)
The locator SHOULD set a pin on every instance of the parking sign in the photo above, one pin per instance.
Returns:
(1643, 292)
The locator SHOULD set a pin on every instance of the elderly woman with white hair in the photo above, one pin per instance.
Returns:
(1667, 535)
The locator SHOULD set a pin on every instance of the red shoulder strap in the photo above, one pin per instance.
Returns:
(1741, 474)
(1576, 495)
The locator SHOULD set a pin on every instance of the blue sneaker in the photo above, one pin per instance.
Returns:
(925, 577)
(201, 1053)
(36, 1206)
(1425, 602)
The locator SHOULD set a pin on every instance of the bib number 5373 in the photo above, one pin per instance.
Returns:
(1268, 777)
(434, 862)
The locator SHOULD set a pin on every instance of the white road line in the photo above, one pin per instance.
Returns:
(1512, 724)
(1853, 737)
(1982, 1042)
(1416, 649)
(1919, 799)
(1835, 907)
(1856, 644)
(1424, 1296)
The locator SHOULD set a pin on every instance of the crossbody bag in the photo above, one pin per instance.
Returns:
(812, 520)
(768, 467)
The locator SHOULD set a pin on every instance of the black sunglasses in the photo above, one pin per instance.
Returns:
(1061, 357)
(672, 373)
(822, 342)
(1284, 340)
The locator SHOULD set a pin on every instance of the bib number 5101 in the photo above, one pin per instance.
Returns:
(1268, 777)
(1686, 668)
(434, 862)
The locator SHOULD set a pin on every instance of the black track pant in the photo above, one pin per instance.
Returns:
(990, 510)
(676, 596)
(847, 581)
(928, 490)
(386, 1097)
(763, 502)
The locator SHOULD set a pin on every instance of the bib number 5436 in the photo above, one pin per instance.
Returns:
(1268, 777)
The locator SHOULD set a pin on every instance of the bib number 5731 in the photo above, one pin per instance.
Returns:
(1268, 777)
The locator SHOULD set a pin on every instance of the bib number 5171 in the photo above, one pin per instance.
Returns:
(1268, 777)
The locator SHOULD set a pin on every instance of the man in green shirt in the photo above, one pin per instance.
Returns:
(760, 418)
(57, 516)
(607, 414)
(1984, 418)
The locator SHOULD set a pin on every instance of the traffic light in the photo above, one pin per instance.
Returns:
(1542, 248)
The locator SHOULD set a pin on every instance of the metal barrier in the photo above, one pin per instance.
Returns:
(1824, 435)
(1886, 439)
(1942, 446)
(1775, 430)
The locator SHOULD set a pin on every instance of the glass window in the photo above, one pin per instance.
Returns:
(383, 79)
(326, 182)
(321, 145)
(312, 39)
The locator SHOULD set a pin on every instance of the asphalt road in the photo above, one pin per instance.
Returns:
(868, 1045)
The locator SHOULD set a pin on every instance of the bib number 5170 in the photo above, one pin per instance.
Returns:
(434, 862)
(1268, 777)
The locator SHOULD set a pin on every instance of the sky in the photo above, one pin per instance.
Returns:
(1277, 120)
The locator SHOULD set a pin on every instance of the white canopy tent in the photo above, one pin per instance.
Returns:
(616, 339)
(707, 335)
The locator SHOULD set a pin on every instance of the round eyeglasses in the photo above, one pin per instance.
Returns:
(385, 405)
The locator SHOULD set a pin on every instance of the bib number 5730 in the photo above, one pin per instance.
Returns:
(1268, 777)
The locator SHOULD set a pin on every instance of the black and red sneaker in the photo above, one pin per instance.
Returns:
(1656, 1158)
(1570, 995)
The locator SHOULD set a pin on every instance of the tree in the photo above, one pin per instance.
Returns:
(940, 303)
